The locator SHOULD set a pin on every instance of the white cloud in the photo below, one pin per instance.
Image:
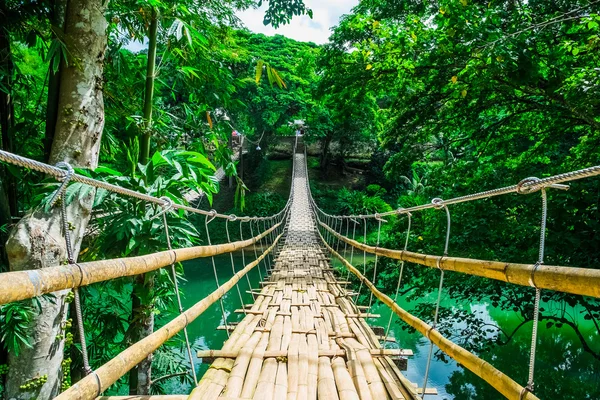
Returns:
(326, 14)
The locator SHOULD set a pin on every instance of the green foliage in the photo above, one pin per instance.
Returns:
(265, 203)
(15, 319)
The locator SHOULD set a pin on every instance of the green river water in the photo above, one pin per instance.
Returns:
(563, 370)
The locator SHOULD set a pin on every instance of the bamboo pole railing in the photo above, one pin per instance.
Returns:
(98, 381)
(146, 397)
(583, 281)
(20, 285)
(497, 379)
(321, 353)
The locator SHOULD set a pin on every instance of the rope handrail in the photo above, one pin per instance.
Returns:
(528, 185)
(500, 381)
(583, 281)
(60, 174)
(97, 382)
(21, 285)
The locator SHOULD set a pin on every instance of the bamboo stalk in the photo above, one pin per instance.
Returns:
(21, 285)
(109, 373)
(293, 368)
(326, 381)
(584, 281)
(235, 383)
(313, 365)
(266, 381)
(343, 380)
(281, 381)
(501, 382)
(255, 366)
(303, 368)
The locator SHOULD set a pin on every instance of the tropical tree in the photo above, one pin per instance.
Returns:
(38, 241)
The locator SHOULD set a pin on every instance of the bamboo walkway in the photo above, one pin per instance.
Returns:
(303, 338)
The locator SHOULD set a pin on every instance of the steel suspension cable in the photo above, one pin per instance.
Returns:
(525, 186)
(60, 194)
(59, 173)
(536, 307)
(439, 203)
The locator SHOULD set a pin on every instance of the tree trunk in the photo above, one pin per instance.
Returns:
(143, 325)
(38, 240)
(324, 160)
(142, 317)
(149, 94)
(7, 119)
(58, 19)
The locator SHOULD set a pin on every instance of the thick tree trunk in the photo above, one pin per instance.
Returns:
(38, 240)
(7, 119)
(324, 159)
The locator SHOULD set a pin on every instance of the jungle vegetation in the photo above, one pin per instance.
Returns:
(424, 98)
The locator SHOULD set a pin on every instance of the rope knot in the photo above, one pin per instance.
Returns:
(168, 205)
(438, 203)
(233, 217)
(528, 185)
(212, 214)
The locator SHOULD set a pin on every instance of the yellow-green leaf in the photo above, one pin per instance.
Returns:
(209, 119)
(369, 66)
(463, 93)
(259, 70)
(454, 79)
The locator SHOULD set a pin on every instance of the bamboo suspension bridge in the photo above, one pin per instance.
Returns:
(304, 337)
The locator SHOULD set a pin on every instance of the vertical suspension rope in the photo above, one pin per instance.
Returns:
(439, 204)
(387, 331)
(364, 257)
(233, 217)
(255, 253)
(212, 258)
(269, 256)
(179, 305)
(379, 220)
(345, 243)
(244, 262)
(351, 251)
(71, 259)
(337, 248)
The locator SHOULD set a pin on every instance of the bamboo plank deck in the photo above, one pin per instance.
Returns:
(303, 338)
